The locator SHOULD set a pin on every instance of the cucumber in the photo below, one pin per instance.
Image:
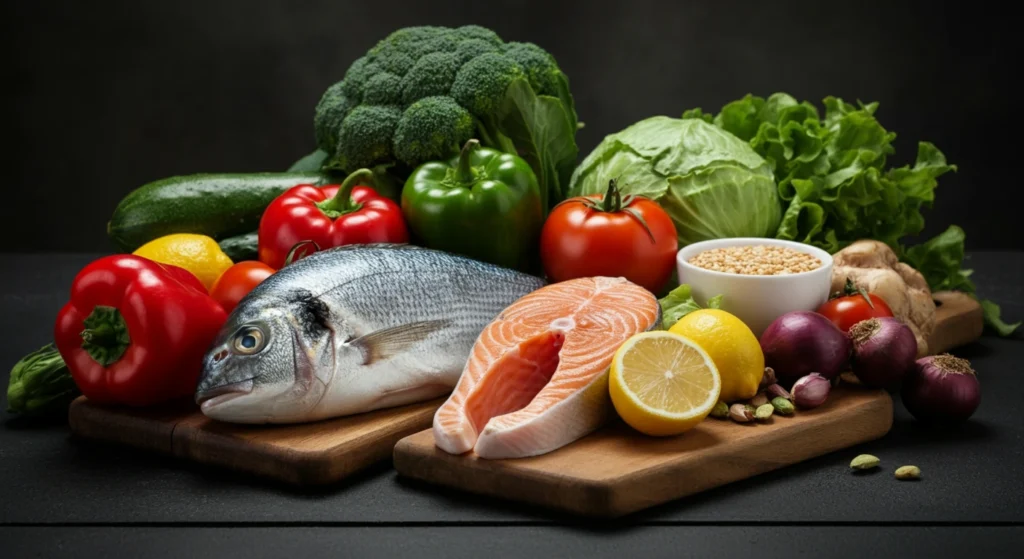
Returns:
(241, 247)
(216, 205)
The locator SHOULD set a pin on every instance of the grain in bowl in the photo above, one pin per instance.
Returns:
(756, 260)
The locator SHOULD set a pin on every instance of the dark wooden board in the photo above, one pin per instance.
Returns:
(958, 321)
(306, 454)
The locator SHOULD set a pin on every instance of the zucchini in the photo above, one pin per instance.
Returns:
(241, 247)
(216, 205)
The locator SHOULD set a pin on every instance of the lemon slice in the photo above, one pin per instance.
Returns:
(663, 384)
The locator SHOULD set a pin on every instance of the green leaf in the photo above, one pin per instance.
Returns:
(680, 302)
(310, 163)
(543, 130)
(992, 319)
(940, 261)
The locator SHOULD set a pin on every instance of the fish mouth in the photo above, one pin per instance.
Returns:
(220, 394)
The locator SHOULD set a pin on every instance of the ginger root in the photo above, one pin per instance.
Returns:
(872, 265)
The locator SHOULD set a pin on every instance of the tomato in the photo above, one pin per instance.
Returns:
(846, 310)
(237, 281)
(608, 235)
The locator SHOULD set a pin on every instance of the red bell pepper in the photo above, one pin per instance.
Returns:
(329, 216)
(135, 332)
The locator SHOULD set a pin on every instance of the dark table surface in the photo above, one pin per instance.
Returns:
(62, 496)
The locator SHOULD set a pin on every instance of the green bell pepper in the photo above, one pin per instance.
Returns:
(484, 204)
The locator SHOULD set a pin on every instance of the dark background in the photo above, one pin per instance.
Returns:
(102, 97)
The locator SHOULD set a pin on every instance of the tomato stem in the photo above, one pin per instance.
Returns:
(612, 201)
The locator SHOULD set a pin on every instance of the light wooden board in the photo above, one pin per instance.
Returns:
(328, 451)
(617, 471)
(306, 454)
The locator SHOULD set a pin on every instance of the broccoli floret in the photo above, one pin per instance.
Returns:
(383, 89)
(477, 32)
(389, 106)
(330, 112)
(481, 83)
(432, 128)
(472, 48)
(432, 75)
(540, 67)
(366, 136)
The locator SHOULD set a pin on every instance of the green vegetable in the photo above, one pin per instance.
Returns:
(217, 205)
(40, 384)
(422, 92)
(241, 247)
(712, 184)
(484, 204)
(834, 177)
(679, 302)
(940, 259)
(310, 163)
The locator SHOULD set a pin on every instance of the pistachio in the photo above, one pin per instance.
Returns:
(721, 410)
(741, 413)
(865, 462)
(782, 406)
(776, 390)
(768, 377)
(908, 473)
(849, 378)
(764, 412)
(758, 400)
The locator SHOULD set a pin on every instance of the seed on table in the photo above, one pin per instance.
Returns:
(908, 473)
(762, 260)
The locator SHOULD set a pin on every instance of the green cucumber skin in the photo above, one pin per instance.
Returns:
(216, 205)
(241, 247)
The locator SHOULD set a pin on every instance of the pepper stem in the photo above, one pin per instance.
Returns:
(612, 201)
(105, 337)
(464, 171)
(341, 203)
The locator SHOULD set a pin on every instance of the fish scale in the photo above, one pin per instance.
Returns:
(353, 329)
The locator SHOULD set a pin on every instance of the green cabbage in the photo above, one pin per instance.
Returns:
(712, 184)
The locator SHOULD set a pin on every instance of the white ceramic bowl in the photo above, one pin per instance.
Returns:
(757, 300)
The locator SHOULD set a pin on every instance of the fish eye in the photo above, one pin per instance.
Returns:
(249, 340)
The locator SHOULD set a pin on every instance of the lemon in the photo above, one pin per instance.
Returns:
(198, 254)
(662, 383)
(733, 347)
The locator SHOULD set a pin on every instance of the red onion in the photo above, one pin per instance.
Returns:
(884, 350)
(811, 391)
(941, 389)
(800, 342)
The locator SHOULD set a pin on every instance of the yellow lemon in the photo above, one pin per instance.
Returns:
(662, 383)
(733, 347)
(198, 254)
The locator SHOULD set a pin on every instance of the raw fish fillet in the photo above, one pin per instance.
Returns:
(537, 377)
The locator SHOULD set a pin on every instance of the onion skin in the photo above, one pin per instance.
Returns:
(941, 390)
(884, 350)
(802, 342)
(811, 391)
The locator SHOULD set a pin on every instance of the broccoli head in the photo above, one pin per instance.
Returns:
(422, 92)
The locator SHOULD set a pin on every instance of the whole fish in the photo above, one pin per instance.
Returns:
(353, 329)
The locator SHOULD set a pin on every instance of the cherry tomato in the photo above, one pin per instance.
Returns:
(609, 235)
(237, 281)
(846, 310)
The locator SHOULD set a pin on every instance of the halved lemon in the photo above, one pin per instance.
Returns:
(663, 384)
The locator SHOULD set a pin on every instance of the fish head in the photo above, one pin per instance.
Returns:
(271, 362)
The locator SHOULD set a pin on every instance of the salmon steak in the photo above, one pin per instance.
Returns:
(537, 376)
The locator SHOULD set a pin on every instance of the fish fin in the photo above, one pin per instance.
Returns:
(388, 342)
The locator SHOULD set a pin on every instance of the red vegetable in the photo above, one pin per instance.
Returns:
(135, 331)
(237, 281)
(801, 342)
(856, 305)
(941, 389)
(608, 235)
(884, 350)
(329, 216)
(811, 391)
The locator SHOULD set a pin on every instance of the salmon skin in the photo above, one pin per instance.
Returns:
(537, 376)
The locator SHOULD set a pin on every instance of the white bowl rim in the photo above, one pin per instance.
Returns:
(682, 257)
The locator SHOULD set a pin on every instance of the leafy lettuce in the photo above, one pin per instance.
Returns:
(833, 177)
(680, 302)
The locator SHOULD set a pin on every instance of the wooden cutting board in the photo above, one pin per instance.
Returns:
(616, 470)
(328, 451)
(306, 454)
